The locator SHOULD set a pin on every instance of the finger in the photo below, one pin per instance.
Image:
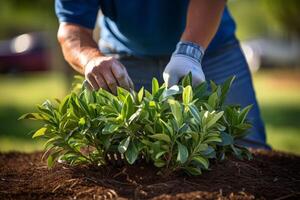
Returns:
(92, 82)
(101, 82)
(198, 78)
(110, 81)
(170, 80)
(121, 75)
(130, 83)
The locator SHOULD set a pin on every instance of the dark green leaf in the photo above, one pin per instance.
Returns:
(132, 153)
(226, 139)
(202, 161)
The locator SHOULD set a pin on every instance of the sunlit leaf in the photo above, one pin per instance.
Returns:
(40, 132)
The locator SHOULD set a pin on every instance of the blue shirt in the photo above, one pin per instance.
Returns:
(141, 28)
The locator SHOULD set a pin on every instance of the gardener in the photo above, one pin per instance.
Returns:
(138, 37)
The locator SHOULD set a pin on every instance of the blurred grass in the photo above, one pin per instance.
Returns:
(277, 92)
(20, 94)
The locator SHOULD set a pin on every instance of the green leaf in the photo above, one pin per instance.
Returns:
(214, 119)
(127, 109)
(50, 161)
(213, 100)
(132, 153)
(213, 139)
(174, 90)
(64, 104)
(161, 136)
(187, 80)
(81, 121)
(209, 152)
(200, 90)
(167, 126)
(110, 128)
(202, 161)
(159, 163)
(155, 86)
(193, 171)
(40, 132)
(176, 111)
(32, 116)
(243, 114)
(225, 88)
(187, 95)
(213, 86)
(140, 94)
(226, 139)
(195, 113)
(159, 154)
(183, 153)
(52, 158)
(124, 145)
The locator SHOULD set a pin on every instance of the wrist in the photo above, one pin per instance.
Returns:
(190, 49)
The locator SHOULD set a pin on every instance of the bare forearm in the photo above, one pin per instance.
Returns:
(77, 45)
(203, 20)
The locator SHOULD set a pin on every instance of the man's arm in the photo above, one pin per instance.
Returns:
(203, 19)
(82, 53)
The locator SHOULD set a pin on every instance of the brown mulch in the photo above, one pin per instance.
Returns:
(271, 175)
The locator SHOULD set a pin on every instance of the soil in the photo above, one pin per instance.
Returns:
(270, 175)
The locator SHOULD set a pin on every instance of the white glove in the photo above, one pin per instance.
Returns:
(186, 58)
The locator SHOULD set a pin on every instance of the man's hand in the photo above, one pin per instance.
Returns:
(107, 73)
(186, 58)
(82, 53)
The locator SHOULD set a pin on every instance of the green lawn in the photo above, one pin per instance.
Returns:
(277, 91)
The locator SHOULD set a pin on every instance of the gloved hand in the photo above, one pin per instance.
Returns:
(186, 58)
(107, 73)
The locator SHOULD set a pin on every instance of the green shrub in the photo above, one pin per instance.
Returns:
(176, 128)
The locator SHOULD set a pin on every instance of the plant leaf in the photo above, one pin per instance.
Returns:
(183, 153)
(193, 171)
(187, 95)
(176, 111)
(124, 145)
(226, 139)
(202, 161)
(155, 86)
(161, 136)
(225, 88)
(32, 116)
(214, 119)
(243, 114)
(140, 94)
(40, 132)
(132, 153)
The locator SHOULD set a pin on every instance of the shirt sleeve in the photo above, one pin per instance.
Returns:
(81, 12)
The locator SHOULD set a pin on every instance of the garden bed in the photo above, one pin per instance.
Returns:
(270, 175)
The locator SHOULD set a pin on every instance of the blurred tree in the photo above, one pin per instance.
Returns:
(287, 14)
(19, 16)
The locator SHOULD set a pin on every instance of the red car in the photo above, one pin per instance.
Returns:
(25, 53)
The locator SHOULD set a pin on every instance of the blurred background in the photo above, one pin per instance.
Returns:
(32, 68)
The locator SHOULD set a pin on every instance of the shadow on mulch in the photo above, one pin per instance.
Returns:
(271, 175)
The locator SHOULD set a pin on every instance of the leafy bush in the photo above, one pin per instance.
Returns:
(174, 128)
